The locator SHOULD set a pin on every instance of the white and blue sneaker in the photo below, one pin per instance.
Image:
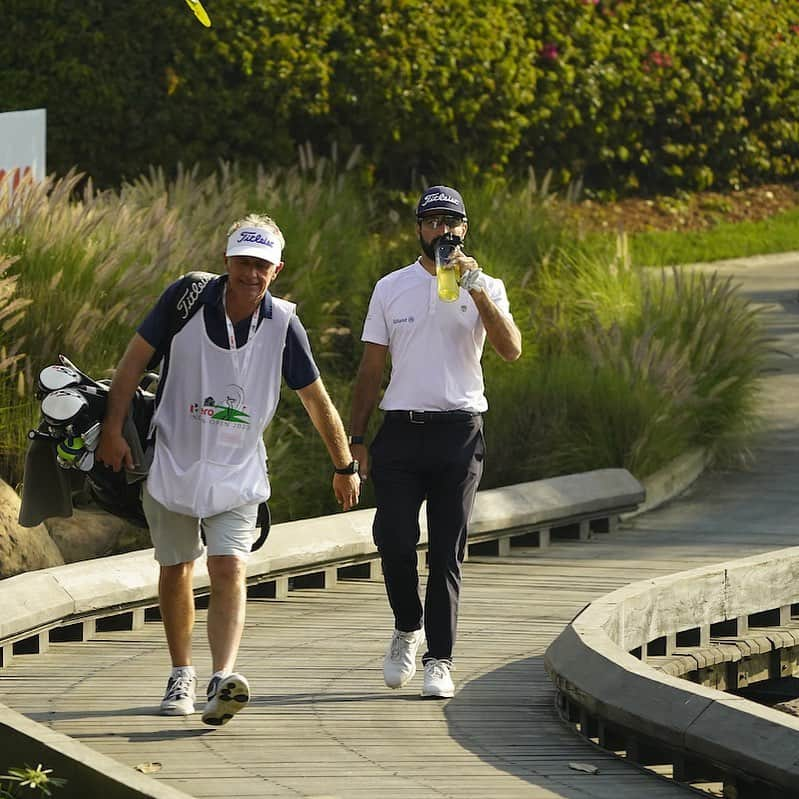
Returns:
(226, 697)
(180, 692)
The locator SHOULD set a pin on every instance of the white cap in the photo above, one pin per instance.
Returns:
(255, 241)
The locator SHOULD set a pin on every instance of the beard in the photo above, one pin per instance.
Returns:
(429, 247)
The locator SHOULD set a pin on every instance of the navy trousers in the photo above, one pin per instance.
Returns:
(441, 462)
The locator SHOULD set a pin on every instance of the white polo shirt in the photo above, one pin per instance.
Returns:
(435, 346)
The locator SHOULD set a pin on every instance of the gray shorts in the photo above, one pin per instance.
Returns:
(176, 537)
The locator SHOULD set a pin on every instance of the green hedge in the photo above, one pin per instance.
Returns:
(627, 94)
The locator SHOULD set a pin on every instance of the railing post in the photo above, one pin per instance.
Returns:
(281, 587)
(331, 576)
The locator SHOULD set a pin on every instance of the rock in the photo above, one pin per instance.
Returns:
(22, 549)
(94, 534)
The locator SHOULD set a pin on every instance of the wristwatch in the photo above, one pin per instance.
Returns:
(355, 440)
(351, 469)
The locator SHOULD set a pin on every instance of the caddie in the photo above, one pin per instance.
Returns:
(221, 373)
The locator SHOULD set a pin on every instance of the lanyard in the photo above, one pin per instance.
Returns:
(241, 368)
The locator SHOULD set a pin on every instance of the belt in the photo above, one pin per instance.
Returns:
(425, 417)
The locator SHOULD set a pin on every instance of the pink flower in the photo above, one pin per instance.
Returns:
(659, 59)
(549, 52)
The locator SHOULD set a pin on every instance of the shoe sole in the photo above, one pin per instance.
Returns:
(400, 684)
(176, 711)
(232, 695)
(439, 695)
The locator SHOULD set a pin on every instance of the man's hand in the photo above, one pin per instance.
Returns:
(347, 488)
(471, 277)
(462, 262)
(114, 451)
(473, 280)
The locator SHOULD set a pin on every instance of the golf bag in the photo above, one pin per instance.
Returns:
(73, 406)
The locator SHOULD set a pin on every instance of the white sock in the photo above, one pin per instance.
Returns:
(178, 669)
(220, 674)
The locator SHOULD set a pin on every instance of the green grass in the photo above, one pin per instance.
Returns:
(776, 234)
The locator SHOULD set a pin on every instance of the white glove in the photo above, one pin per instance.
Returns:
(473, 280)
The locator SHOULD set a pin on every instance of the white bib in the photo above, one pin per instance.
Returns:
(209, 451)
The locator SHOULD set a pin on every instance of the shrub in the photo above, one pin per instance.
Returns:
(630, 95)
(633, 369)
(682, 95)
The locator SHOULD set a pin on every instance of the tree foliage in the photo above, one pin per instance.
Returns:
(625, 94)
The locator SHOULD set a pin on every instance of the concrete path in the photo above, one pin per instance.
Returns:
(322, 725)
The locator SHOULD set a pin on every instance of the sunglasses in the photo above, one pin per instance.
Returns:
(436, 222)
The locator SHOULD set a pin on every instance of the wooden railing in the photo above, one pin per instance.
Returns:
(639, 672)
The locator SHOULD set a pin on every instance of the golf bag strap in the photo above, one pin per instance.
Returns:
(141, 458)
(187, 303)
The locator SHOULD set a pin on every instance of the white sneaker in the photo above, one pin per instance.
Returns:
(437, 681)
(226, 697)
(179, 696)
(399, 664)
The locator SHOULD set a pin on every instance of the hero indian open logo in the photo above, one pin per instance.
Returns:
(228, 412)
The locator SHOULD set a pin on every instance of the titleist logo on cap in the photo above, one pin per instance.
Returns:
(439, 197)
(253, 237)
(256, 242)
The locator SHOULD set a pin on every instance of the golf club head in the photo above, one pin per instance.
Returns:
(86, 461)
(91, 437)
(54, 378)
(63, 407)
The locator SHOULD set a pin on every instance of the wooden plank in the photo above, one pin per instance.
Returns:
(321, 722)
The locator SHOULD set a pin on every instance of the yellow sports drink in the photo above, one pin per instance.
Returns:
(446, 274)
(447, 278)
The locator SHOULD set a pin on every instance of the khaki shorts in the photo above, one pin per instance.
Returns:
(176, 537)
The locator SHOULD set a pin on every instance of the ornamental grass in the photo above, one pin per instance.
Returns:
(621, 367)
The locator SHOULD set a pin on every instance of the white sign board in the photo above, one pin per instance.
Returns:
(23, 144)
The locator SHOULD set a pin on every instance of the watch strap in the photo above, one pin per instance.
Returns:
(352, 468)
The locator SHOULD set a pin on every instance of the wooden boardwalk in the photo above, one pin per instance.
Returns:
(321, 723)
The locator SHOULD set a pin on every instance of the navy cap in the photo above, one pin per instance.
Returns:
(440, 199)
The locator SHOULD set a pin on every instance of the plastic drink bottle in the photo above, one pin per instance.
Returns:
(446, 274)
